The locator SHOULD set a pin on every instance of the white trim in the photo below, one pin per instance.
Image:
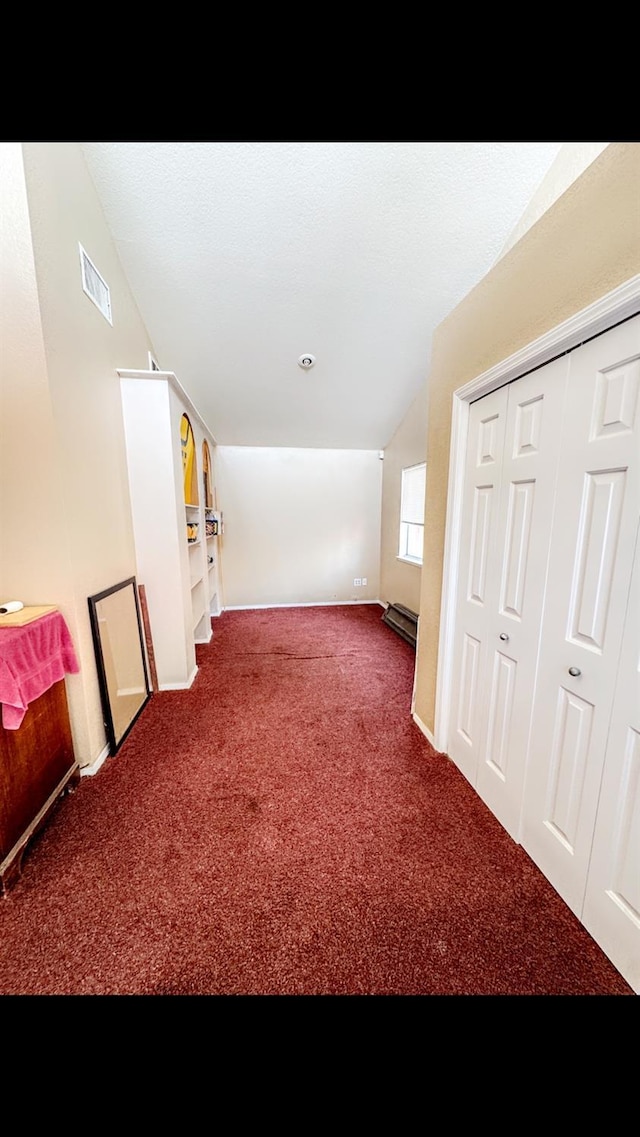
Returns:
(415, 672)
(425, 730)
(300, 604)
(611, 309)
(89, 771)
(409, 560)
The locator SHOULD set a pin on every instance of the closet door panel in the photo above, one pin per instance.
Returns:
(478, 579)
(595, 521)
(528, 474)
(612, 902)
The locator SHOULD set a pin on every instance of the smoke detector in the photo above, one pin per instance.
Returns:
(307, 360)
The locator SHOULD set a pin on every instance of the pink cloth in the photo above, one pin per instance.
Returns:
(32, 659)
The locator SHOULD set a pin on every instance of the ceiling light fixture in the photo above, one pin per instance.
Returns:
(307, 360)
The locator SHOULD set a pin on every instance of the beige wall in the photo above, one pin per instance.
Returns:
(66, 516)
(585, 245)
(400, 581)
(572, 159)
(299, 524)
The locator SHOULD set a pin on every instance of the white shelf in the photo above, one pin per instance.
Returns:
(179, 587)
(203, 631)
(198, 602)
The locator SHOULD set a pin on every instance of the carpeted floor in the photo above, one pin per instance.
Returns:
(284, 828)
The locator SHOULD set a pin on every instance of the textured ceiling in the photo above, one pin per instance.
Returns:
(242, 256)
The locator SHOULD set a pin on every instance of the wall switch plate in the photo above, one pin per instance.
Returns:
(357, 582)
(364, 581)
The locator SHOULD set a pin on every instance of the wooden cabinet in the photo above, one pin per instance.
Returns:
(37, 766)
(173, 549)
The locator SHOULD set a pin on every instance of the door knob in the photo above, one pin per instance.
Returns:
(504, 637)
(575, 671)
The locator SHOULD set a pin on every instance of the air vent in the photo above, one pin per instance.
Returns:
(403, 621)
(95, 286)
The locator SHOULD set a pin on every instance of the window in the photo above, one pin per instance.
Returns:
(412, 513)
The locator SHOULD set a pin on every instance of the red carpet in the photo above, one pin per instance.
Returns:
(284, 828)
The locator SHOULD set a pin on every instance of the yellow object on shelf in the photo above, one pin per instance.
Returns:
(188, 445)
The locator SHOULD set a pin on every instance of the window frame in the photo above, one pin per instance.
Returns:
(405, 528)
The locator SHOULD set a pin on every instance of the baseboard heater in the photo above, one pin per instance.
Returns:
(403, 621)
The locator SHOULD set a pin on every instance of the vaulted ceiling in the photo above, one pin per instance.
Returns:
(244, 256)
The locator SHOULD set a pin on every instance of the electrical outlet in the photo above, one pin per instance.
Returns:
(364, 581)
(357, 582)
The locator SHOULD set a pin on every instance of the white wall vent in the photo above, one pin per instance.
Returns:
(95, 286)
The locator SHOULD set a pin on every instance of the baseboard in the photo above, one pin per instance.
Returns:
(300, 604)
(89, 771)
(179, 686)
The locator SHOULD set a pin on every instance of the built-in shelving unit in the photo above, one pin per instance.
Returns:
(171, 476)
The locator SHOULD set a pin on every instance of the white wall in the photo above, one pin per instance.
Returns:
(299, 524)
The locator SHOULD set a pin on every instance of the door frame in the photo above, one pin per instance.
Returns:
(603, 314)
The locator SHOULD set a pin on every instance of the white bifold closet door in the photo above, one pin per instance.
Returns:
(544, 718)
(510, 476)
